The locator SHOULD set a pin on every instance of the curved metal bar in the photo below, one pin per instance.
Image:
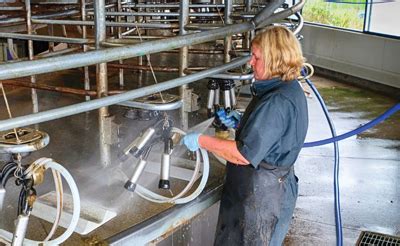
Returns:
(110, 100)
(300, 24)
(26, 147)
(149, 106)
(266, 12)
(283, 14)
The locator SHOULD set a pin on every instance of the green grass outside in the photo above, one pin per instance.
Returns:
(335, 14)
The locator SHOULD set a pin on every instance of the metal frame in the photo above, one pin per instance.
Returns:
(52, 64)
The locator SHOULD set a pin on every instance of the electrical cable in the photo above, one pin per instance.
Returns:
(338, 217)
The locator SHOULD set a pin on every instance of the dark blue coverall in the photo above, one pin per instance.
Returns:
(258, 200)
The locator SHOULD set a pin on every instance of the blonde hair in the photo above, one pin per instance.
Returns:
(281, 53)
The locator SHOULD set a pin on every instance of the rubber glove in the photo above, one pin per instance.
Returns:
(231, 120)
(191, 140)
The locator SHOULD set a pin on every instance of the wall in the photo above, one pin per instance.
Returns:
(364, 56)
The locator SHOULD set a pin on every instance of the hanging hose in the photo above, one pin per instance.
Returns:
(154, 197)
(59, 192)
(338, 217)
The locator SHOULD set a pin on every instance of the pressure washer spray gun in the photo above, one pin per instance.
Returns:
(141, 147)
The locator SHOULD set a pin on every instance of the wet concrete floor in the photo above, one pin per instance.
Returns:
(369, 169)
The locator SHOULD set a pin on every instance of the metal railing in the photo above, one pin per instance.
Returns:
(53, 64)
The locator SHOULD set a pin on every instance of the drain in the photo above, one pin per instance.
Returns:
(368, 238)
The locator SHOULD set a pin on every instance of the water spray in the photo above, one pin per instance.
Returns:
(170, 137)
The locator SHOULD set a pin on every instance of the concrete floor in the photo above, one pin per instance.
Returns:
(369, 170)
(369, 174)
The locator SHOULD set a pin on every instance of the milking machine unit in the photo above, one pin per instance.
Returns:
(142, 145)
(163, 133)
(216, 87)
(14, 145)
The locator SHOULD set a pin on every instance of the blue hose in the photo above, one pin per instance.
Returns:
(338, 217)
(370, 124)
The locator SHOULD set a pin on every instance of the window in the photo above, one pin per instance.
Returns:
(382, 17)
(346, 14)
(373, 16)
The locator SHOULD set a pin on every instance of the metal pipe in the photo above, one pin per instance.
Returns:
(284, 13)
(228, 39)
(143, 67)
(108, 23)
(35, 102)
(26, 68)
(119, 32)
(300, 24)
(110, 100)
(157, 14)
(57, 53)
(267, 12)
(102, 84)
(53, 64)
(233, 76)
(21, 226)
(11, 8)
(31, 37)
(183, 63)
(11, 20)
(243, 15)
(149, 106)
(247, 35)
(138, 5)
(58, 14)
(86, 79)
(49, 88)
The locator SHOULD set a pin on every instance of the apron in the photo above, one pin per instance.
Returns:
(256, 205)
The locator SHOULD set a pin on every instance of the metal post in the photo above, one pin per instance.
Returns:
(183, 62)
(247, 35)
(35, 102)
(228, 39)
(85, 48)
(121, 71)
(102, 86)
(139, 19)
(50, 29)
